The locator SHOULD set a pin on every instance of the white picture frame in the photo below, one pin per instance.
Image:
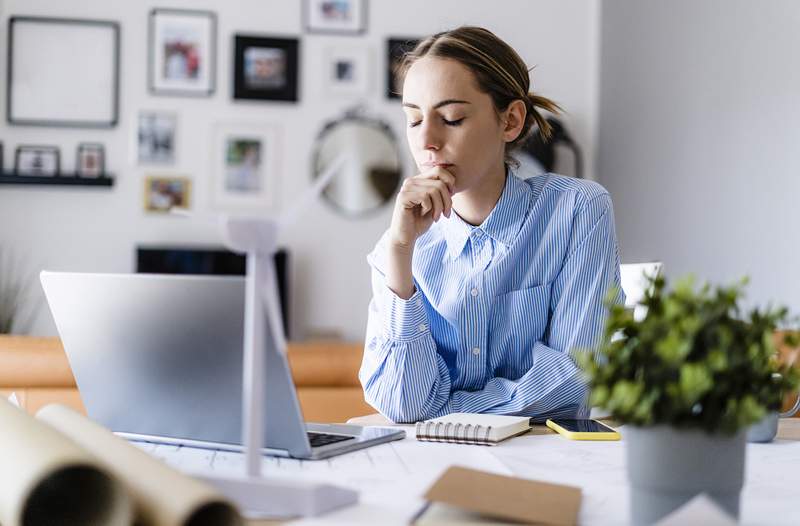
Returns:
(182, 52)
(347, 17)
(348, 71)
(155, 138)
(63, 72)
(246, 164)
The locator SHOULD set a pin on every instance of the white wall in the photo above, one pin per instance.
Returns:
(96, 230)
(699, 134)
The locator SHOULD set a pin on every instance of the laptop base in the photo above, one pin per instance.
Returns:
(280, 498)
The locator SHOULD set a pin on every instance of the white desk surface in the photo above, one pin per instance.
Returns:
(392, 477)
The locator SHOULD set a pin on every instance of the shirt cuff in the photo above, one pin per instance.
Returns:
(404, 319)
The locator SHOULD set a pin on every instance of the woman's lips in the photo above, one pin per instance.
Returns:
(431, 164)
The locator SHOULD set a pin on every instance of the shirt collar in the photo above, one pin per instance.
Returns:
(503, 222)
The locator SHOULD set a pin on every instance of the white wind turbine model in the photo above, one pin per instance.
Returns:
(258, 495)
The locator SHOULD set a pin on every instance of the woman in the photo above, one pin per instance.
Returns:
(485, 286)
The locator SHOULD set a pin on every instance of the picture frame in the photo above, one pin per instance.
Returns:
(182, 52)
(163, 193)
(396, 47)
(90, 160)
(265, 68)
(156, 135)
(245, 161)
(348, 71)
(43, 52)
(37, 161)
(338, 17)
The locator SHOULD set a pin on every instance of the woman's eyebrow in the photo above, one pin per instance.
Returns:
(438, 104)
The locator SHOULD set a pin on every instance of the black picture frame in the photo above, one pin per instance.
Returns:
(27, 111)
(90, 147)
(312, 25)
(396, 47)
(249, 86)
(23, 150)
(156, 83)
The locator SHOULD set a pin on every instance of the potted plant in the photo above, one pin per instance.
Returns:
(688, 379)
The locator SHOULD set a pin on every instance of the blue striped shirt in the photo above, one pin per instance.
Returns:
(499, 309)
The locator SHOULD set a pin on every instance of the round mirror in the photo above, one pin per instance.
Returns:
(372, 173)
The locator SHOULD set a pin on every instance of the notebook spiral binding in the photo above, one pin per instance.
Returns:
(454, 433)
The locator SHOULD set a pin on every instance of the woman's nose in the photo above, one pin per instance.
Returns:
(430, 138)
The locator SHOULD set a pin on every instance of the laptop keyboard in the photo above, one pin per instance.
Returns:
(323, 439)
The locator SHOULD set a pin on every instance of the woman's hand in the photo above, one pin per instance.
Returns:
(421, 201)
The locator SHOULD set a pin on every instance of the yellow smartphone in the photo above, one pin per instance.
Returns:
(582, 429)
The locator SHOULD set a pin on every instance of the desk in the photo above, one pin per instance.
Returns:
(392, 477)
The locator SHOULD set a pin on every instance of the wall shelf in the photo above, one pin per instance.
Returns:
(67, 179)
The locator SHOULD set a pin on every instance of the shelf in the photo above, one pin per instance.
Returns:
(61, 180)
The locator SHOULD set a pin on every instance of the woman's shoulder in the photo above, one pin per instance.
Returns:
(568, 190)
(555, 183)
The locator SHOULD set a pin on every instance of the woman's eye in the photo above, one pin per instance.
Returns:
(413, 123)
(453, 123)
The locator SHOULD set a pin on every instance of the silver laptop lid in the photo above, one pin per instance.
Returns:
(162, 355)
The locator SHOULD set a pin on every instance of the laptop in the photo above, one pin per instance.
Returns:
(158, 358)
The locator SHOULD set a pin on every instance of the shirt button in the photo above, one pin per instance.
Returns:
(419, 302)
(422, 327)
(478, 233)
(476, 351)
(474, 292)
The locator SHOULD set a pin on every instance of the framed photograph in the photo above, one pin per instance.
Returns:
(265, 68)
(90, 160)
(155, 137)
(347, 17)
(395, 49)
(42, 161)
(62, 72)
(245, 161)
(163, 193)
(348, 71)
(182, 58)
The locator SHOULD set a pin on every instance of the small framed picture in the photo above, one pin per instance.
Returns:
(265, 68)
(90, 160)
(163, 193)
(182, 58)
(396, 48)
(245, 161)
(37, 161)
(348, 71)
(155, 137)
(348, 17)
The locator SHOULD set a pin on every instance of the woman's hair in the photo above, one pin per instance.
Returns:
(499, 70)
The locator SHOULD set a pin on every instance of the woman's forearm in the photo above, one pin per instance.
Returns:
(398, 271)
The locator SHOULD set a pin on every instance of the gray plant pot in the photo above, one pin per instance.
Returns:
(667, 467)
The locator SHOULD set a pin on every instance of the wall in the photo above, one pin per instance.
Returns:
(698, 137)
(97, 230)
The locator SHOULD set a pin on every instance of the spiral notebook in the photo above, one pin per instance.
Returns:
(472, 428)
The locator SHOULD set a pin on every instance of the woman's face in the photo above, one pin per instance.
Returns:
(451, 123)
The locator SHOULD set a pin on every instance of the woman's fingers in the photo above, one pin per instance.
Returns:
(436, 192)
(441, 174)
(442, 192)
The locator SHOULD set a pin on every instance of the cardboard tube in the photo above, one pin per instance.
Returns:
(48, 479)
(162, 495)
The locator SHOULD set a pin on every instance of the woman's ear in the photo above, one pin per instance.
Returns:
(513, 120)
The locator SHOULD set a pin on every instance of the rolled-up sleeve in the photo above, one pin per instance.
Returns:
(403, 376)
